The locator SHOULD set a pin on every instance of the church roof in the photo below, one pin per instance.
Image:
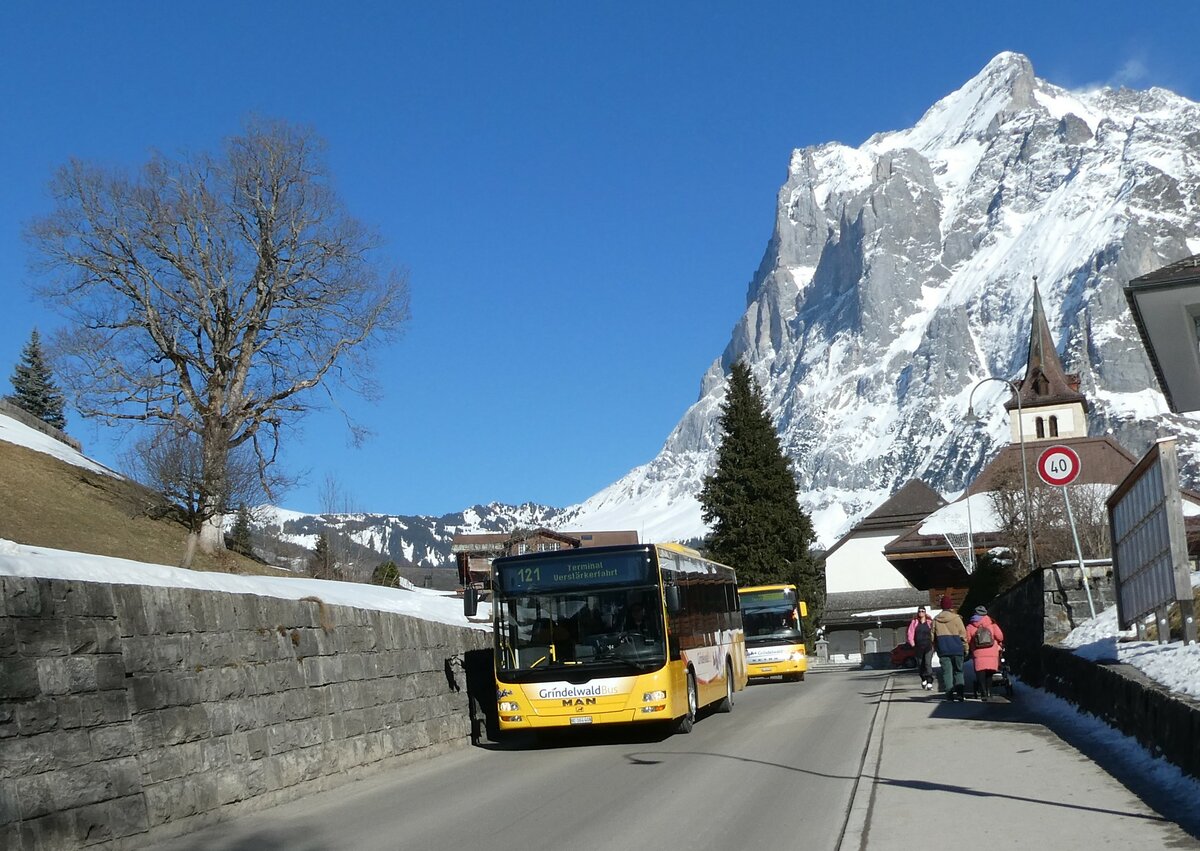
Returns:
(1045, 381)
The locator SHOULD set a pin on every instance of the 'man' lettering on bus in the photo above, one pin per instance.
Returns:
(580, 701)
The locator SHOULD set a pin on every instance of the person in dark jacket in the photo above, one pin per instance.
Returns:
(984, 638)
(920, 638)
(950, 639)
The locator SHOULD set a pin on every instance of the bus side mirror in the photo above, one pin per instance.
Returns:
(470, 601)
(803, 609)
(674, 605)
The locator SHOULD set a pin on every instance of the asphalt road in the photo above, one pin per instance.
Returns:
(777, 772)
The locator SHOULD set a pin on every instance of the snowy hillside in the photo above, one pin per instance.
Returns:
(900, 273)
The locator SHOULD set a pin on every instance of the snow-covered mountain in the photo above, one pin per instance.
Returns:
(901, 272)
(421, 541)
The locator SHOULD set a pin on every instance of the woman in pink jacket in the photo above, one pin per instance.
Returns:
(984, 637)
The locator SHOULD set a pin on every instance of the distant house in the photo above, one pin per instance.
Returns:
(473, 553)
(865, 595)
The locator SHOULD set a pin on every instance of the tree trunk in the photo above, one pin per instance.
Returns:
(212, 534)
(189, 551)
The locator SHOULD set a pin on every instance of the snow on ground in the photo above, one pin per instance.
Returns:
(16, 432)
(21, 560)
(1173, 665)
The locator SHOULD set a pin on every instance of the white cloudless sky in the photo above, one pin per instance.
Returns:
(580, 192)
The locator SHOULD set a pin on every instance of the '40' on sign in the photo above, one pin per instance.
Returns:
(1058, 465)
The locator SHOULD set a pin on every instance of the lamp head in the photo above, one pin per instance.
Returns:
(970, 417)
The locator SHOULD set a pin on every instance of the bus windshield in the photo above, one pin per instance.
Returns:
(582, 628)
(770, 616)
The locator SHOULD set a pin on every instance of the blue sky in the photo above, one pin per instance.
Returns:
(580, 192)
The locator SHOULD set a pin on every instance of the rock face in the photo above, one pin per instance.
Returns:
(900, 273)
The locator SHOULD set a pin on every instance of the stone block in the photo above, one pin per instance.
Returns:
(110, 672)
(36, 716)
(133, 616)
(9, 806)
(112, 741)
(184, 607)
(137, 653)
(63, 789)
(23, 596)
(147, 693)
(41, 637)
(110, 820)
(8, 637)
(81, 673)
(52, 675)
(53, 831)
(184, 724)
(147, 731)
(224, 683)
(81, 635)
(173, 652)
(160, 765)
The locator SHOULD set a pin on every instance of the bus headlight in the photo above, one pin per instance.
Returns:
(651, 696)
(509, 706)
(797, 657)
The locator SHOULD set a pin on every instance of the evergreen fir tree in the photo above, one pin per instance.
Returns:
(322, 563)
(240, 536)
(749, 500)
(34, 384)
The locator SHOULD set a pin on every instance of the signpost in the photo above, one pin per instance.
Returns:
(1149, 544)
(1059, 466)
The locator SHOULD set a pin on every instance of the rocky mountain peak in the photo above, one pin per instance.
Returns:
(900, 272)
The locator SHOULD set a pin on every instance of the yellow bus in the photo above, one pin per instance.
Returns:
(615, 635)
(772, 618)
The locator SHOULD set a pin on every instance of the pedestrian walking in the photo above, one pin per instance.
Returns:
(950, 639)
(920, 639)
(984, 638)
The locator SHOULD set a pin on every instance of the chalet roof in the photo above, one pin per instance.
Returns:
(1045, 381)
(842, 606)
(1187, 269)
(913, 502)
(906, 506)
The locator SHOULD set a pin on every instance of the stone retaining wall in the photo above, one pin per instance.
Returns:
(1165, 723)
(1040, 611)
(133, 713)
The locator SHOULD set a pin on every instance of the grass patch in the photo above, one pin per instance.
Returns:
(46, 502)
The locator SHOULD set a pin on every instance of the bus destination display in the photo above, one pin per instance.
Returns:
(538, 575)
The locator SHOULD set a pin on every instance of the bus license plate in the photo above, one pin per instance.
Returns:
(582, 719)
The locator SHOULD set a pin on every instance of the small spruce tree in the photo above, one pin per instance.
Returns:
(240, 536)
(33, 383)
(749, 500)
(322, 564)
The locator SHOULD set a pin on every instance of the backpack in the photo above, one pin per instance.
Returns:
(984, 637)
(923, 636)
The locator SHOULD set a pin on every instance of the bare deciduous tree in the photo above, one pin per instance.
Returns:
(212, 292)
(1052, 537)
(172, 462)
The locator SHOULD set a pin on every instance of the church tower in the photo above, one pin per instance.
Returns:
(1051, 408)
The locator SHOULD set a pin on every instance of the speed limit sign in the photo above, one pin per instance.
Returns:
(1058, 465)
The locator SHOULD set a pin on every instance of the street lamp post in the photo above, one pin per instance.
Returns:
(1014, 388)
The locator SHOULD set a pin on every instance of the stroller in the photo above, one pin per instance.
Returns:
(1001, 679)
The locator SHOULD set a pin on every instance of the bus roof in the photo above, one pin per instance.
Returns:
(782, 586)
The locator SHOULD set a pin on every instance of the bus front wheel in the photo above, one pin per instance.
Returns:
(685, 724)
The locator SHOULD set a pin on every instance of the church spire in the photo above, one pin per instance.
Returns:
(1045, 382)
